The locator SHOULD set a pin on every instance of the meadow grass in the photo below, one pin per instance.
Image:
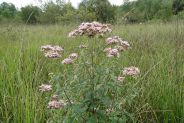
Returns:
(157, 49)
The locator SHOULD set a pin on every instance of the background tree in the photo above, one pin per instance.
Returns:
(30, 14)
(103, 10)
(178, 5)
(7, 10)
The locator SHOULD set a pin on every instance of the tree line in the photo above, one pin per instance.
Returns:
(90, 10)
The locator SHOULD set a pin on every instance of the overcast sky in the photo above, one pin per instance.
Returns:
(21, 3)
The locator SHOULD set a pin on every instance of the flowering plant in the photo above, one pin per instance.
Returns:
(88, 89)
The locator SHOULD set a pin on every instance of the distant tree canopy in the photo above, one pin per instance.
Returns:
(7, 10)
(30, 14)
(102, 9)
(178, 5)
(94, 10)
(143, 10)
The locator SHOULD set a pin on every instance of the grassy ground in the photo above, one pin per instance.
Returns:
(157, 49)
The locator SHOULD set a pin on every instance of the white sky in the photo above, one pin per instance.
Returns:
(21, 3)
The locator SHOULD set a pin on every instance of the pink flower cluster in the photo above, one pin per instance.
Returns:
(90, 29)
(70, 59)
(120, 46)
(45, 87)
(111, 52)
(51, 51)
(128, 71)
(131, 71)
(55, 104)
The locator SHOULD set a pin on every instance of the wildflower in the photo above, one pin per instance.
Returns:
(45, 87)
(72, 34)
(55, 104)
(52, 54)
(122, 45)
(106, 50)
(73, 55)
(90, 29)
(125, 44)
(120, 78)
(112, 53)
(67, 61)
(113, 40)
(131, 71)
(57, 48)
(46, 48)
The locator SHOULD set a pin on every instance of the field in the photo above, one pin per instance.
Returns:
(156, 49)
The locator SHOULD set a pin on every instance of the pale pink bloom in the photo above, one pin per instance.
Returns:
(106, 50)
(67, 61)
(132, 71)
(57, 48)
(45, 48)
(73, 55)
(125, 44)
(72, 34)
(120, 78)
(113, 52)
(113, 40)
(55, 104)
(45, 87)
(52, 54)
(90, 29)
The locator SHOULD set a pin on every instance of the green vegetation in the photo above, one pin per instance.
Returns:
(93, 88)
(90, 10)
(157, 49)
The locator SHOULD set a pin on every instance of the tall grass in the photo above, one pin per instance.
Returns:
(23, 69)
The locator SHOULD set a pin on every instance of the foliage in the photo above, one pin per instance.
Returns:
(23, 69)
(178, 5)
(144, 10)
(30, 14)
(103, 10)
(7, 10)
(94, 10)
(51, 12)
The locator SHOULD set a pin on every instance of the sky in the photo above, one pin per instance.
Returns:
(75, 3)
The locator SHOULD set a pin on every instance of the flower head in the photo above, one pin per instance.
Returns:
(52, 54)
(67, 61)
(73, 55)
(55, 104)
(51, 51)
(46, 48)
(120, 78)
(125, 44)
(106, 50)
(131, 71)
(90, 29)
(113, 40)
(112, 53)
(45, 87)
